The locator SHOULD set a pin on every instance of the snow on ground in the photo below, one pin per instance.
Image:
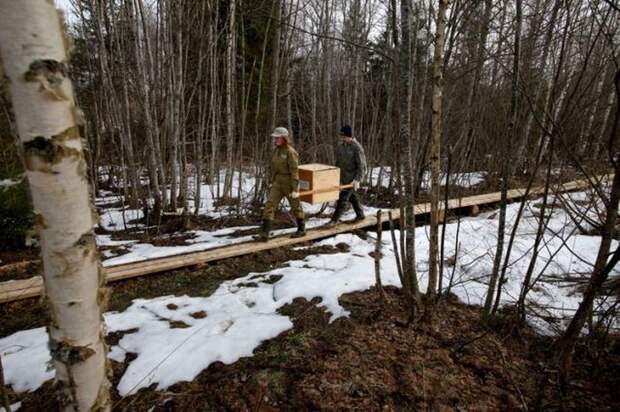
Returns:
(116, 219)
(7, 183)
(201, 240)
(14, 407)
(464, 180)
(225, 326)
(106, 240)
(242, 313)
(26, 358)
(237, 317)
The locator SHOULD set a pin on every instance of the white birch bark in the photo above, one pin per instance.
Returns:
(599, 144)
(33, 52)
(230, 114)
(436, 131)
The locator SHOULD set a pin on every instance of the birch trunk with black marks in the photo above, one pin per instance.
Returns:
(32, 45)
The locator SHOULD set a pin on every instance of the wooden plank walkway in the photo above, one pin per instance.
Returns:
(28, 288)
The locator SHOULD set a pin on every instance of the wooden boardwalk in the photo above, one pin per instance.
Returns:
(28, 288)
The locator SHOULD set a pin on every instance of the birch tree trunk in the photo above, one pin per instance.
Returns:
(32, 46)
(586, 133)
(230, 110)
(406, 108)
(436, 126)
(599, 145)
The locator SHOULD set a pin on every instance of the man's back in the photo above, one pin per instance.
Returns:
(349, 159)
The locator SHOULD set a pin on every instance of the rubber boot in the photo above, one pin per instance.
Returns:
(357, 206)
(263, 234)
(331, 223)
(337, 213)
(301, 228)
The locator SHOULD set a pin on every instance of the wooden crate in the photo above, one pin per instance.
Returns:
(322, 180)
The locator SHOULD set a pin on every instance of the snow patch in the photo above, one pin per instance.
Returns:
(26, 359)
(14, 407)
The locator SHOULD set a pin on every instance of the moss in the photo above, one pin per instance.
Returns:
(273, 379)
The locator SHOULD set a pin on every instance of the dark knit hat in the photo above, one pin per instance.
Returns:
(346, 131)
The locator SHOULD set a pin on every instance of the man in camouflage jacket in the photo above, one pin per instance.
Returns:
(284, 183)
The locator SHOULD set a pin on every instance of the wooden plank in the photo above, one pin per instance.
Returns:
(238, 249)
(324, 190)
(13, 295)
(18, 265)
(22, 289)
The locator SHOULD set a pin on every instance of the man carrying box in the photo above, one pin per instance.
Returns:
(351, 160)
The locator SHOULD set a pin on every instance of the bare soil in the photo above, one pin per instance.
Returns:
(19, 264)
(374, 360)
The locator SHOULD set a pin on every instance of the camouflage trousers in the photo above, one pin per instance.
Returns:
(280, 190)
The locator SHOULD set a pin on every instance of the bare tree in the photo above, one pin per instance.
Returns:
(49, 134)
(602, 267)
(231, 58)
(511, 133)
(436, 132)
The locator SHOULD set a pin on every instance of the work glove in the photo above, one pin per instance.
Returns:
(356, 185)
(295, 195)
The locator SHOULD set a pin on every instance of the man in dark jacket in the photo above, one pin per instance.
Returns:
(351, 160)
